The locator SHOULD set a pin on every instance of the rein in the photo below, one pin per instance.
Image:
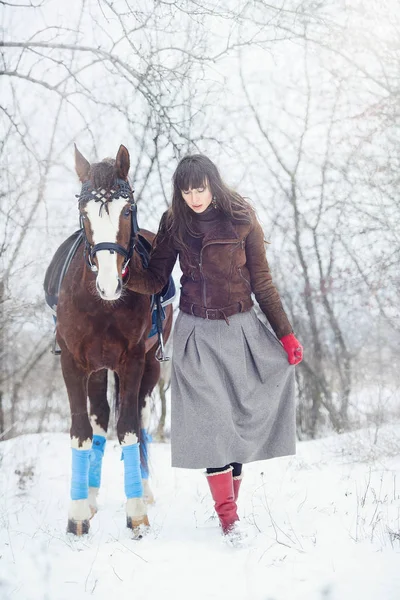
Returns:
(120, 189)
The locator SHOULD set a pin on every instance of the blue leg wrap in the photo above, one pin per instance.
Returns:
(133, 479)
(96, 459)
(145, 439)
(80, 474)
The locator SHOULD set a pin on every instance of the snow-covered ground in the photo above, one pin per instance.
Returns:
(324, 525)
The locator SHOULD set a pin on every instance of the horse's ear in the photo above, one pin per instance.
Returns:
(122, 163)
(81, 165)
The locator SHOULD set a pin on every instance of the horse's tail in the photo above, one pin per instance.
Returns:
(116, 397)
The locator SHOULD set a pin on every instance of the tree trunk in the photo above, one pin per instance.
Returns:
(2, 424)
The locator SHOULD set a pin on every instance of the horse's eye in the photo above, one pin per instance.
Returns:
(127, 211)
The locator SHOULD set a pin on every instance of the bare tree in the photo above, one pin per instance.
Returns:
(330, 201)
(171, 77)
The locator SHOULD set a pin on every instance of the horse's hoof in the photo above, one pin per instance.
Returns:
(139, 525)
(132, 522)
(78, 527)
(140, 531)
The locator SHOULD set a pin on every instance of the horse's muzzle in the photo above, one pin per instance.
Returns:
(107, 293)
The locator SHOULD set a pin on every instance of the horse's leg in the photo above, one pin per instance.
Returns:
(150, 377)
(81, 444)
(99, 417)
(128, 431)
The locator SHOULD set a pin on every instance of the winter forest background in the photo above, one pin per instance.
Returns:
(296, 102)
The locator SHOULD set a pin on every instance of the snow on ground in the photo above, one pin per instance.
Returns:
(324, 525)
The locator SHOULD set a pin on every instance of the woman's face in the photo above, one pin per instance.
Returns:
(198, 199)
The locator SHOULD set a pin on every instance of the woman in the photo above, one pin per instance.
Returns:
(232, 382)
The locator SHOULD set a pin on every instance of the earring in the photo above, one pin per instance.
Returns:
(214, 202)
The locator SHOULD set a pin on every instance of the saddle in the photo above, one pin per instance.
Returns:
(62, 259)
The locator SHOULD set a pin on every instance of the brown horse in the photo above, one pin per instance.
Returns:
(102, 325)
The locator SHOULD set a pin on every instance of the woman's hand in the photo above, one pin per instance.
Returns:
(293, 348)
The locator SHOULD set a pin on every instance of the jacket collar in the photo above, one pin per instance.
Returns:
(223, 230)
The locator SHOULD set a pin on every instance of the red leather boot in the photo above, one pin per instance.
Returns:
(221, 486)
(237, 481)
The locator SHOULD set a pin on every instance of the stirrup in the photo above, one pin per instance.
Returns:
(160, 352)
(55, 348)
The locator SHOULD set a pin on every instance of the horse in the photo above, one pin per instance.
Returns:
(102, 326)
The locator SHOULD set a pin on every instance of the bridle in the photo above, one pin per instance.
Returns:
(120, 189)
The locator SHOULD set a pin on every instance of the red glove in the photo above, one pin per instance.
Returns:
(293, 348)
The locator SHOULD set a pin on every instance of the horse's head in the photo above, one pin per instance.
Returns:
(108, 214)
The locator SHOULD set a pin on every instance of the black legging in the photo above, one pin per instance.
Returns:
(237, 469)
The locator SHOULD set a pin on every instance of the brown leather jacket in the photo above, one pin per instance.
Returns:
(230, 266)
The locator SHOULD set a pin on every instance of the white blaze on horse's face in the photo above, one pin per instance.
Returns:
(105, 227)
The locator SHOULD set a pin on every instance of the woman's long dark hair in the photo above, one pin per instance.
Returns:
(193, 172)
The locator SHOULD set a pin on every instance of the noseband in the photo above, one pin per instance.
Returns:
(120, 189)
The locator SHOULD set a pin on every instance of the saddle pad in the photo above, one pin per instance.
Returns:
(59, 266)
(167, 296)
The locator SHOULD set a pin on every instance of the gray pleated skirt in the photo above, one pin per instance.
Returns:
(232, 393)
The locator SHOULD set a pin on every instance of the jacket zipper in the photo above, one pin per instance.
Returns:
(203, 281)
(243, 277)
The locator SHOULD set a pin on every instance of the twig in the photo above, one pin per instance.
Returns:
(130, 550)
(116, 574)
